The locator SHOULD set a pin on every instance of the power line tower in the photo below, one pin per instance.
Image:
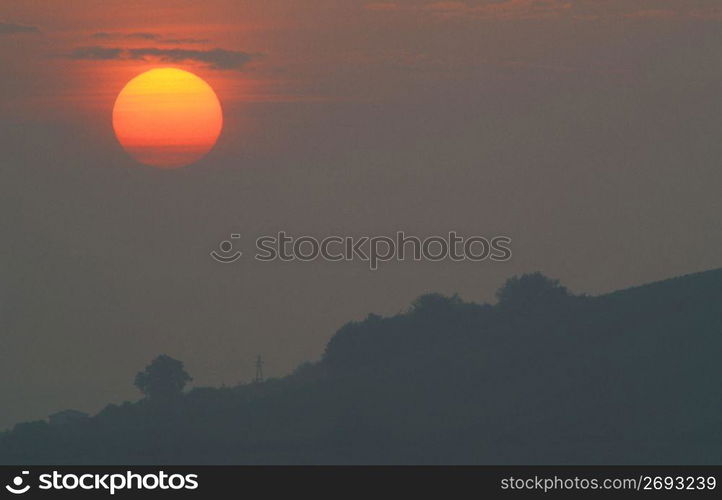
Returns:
(259, 370)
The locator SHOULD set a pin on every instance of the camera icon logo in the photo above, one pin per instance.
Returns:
(225, 253)
(17, 487)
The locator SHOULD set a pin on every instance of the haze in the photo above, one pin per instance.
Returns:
(587, 131)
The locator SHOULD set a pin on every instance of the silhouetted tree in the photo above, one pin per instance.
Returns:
(162, 379)
(554, 379)
(530, 291)
(432, 304)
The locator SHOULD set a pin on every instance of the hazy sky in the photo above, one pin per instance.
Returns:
(587, 130)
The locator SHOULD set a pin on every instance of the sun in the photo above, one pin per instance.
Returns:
(167, 118)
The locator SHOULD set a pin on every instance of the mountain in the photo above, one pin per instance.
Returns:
(541, 377)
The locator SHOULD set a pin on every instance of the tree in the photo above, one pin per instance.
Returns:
(435, 305)
(531, 291)
(163, 378)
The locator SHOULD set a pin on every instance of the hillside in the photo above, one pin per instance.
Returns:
(542, 377)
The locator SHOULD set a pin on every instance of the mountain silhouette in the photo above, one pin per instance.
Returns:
(541, 377)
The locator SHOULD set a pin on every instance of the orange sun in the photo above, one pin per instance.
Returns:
(167, 118)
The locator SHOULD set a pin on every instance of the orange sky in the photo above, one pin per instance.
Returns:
(296, 43)
(58, 83)
(322, 51)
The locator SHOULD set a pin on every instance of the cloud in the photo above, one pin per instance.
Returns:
(96, 53)
(215, 58)
(106, 35)
(11, 28)
(501, 9)
(447, 6)
(387, 6)
(184, 40)
(220, 59)
(554, 9)
(652, 14)
(508, 9)
(143, 35)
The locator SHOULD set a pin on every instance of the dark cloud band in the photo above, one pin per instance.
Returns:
(105, 35)
(11, 28)
(220, 59)
(144, 35)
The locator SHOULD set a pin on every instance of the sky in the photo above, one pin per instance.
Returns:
(586, 130)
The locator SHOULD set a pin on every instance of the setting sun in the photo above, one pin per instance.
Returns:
(167, 118)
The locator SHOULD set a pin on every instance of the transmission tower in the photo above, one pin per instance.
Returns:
(259, 370)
